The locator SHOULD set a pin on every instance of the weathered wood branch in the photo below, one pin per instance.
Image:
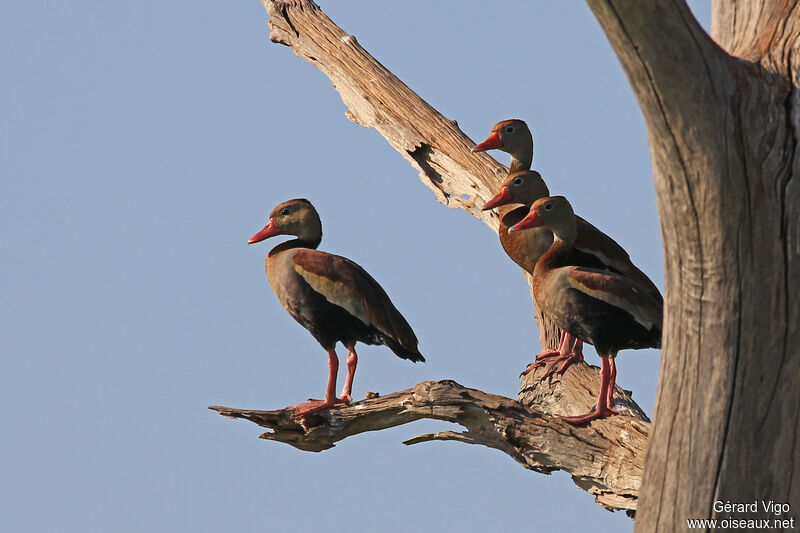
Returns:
(605, 459)
(376, 98)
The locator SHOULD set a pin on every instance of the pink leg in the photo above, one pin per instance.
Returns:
(547, 354)
(312, 406)
(578, 349)
(612, 381)
(352, 361)
(601, 410)
(569, 351)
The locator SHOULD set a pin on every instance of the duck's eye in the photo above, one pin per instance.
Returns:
(548, 206)
(284, 211)
(517, 181)
(509, 129)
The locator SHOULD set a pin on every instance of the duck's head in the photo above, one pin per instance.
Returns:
(511, 136)
(523, 187)
(292, 217)
(553, 212)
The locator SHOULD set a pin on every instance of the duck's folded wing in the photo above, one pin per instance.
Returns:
(344, 283)
(620, 292)
(591, 240)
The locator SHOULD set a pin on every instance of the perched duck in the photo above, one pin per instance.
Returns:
(514, 137)
(331, 296)
(593, 248)
(602, 308)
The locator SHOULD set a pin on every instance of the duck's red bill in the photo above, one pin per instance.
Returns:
(531, 220)
(270, 230)
(492, 141)
(501, 198)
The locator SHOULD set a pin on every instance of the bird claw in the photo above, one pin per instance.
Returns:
(539, 361)
(548, 354)
(313, 406)
(553, 361)
(588, 417)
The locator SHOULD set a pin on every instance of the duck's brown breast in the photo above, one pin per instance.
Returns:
(523, 247)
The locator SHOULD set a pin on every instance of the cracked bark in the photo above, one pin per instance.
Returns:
(723, 119)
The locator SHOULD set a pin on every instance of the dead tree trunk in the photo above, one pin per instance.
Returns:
(723, 122)
(723, 119)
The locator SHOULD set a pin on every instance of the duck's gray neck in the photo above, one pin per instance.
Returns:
(556, 256)
(518, 164)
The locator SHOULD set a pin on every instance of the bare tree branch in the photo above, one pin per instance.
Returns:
(605, 459)
(376, 98)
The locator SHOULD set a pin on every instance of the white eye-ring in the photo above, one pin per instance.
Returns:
(517, 181)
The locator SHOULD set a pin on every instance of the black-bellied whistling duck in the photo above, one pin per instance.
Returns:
(602, 308)
(593, 248)
(331, 296)
(513, 137)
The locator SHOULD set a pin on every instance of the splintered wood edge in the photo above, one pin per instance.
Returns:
(605, 458)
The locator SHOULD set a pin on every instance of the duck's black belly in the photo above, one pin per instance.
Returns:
(327, 322)
(606, 327)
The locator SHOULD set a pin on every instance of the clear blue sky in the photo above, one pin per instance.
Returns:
(142, 144)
